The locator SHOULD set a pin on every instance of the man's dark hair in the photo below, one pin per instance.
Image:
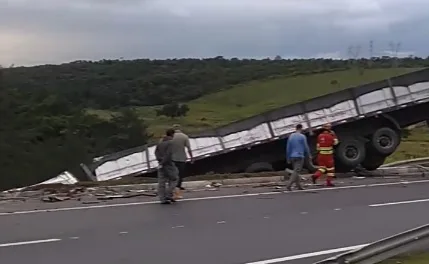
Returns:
(169, 132)
(298, 127)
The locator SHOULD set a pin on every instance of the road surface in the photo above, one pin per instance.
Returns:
(240, 228)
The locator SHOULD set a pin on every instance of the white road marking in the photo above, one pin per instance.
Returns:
(308, 255)
(123, 233)
(337, 209)
(304, 212)
(398, 203)
(209, 198)
(74, 238)
(29, 242)
(221, 222)
(178, 226)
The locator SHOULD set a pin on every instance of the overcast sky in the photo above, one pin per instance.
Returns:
(55, 31)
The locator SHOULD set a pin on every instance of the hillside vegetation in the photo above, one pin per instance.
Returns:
(255, 97)
(54, 117)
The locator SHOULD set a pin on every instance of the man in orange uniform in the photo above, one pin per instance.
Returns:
(325, 154)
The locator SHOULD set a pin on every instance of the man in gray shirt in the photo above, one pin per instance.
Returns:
(180, 143)
(167, 170)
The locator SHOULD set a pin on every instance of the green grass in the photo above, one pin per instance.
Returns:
(259, 96)
(252, 98)
(421, 258)
(415, 146)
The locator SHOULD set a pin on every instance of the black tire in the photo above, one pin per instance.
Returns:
(350, 153)
(385, 141)
(260, 167)
(373, 161)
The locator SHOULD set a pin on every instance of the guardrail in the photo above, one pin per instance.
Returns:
(414, 239)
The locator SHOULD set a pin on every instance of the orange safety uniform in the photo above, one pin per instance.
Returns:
(325, 156)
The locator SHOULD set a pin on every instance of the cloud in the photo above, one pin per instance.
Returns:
(55, 31)
(399, 54)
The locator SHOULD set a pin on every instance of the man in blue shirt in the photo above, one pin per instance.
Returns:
(296, 151)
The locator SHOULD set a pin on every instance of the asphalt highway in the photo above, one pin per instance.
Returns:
(297, 228)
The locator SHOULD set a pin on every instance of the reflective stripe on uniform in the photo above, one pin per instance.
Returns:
(336, 141)
(326, 152)
(322, 169)
(330, 169)
(330, 174)
(325, 148)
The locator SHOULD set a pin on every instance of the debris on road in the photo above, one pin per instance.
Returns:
(22, 199)
(216, 184)
(54, 199)
(93, 192)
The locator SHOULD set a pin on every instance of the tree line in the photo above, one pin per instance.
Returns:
(112, 84)
(44, 128)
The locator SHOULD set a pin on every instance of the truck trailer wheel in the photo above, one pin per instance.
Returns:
(259, 167)
(385, 141)
(373, 161)
(350, 153)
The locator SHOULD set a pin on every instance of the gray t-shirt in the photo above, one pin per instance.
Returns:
(179, 143)
(164, 152)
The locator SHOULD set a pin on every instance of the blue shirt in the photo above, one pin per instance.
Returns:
(297, 146)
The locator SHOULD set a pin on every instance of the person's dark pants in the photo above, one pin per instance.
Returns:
(181, 167)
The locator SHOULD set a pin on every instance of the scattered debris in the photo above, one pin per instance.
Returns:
(53, 199)
(22, 199)
(269, 184)
(216, 184)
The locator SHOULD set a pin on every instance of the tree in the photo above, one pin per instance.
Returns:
(131, 131)
(183, 110)
(173, 110)
(53, 135)
(1, 75)
(114, 84)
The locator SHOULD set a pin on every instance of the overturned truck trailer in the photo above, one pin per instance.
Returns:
(367, 119)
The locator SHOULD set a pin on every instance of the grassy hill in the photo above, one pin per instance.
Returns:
(255, 97)
(415, 146)
(44, 124)
(259, 96)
